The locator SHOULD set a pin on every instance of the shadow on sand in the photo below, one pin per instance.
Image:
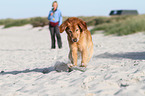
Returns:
(58, 66)
(128, 55)
(41, 70)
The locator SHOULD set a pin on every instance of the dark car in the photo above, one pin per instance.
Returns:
(123, 12)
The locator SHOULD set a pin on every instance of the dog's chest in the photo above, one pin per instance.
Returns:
(80, 47)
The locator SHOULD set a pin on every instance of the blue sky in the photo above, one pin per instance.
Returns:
(32, 8)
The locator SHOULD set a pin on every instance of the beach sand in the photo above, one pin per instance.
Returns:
(117, 67)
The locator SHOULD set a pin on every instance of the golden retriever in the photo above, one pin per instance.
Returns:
(79, 39)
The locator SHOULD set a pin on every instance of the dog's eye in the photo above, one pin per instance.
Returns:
(77, 30)
(70, 31)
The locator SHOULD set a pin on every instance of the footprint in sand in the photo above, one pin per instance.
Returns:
(86, 81)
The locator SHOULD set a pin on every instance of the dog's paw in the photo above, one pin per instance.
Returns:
(70, 65)
(83, 65)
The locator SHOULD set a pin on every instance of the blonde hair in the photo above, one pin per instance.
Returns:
(55, 2)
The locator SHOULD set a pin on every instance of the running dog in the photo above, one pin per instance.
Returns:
(79, 39)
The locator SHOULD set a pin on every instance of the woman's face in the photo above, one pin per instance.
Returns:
(54, 5)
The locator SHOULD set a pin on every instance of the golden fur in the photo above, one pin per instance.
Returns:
(79, 39)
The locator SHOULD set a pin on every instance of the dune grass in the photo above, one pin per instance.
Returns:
(118, 25)
(39, 21)
(36, 21)
(129, 25)
(13, 22)
(17, 23)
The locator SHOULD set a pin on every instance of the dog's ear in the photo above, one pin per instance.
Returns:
(82, 25)
(63, 26)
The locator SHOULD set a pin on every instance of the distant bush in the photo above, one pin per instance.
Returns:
(39, 21)
(103, 20)
(6, 21)
(20, 22)
(122, 26)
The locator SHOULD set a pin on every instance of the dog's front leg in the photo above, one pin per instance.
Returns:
(74, 56)
(84, 58)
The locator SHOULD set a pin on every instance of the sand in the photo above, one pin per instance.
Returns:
(117, 67)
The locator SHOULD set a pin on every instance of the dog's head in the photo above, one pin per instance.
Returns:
(73, 27)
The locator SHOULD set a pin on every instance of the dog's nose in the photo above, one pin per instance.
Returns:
(75, 40)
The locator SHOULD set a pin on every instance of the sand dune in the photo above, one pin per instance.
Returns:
(116, 69)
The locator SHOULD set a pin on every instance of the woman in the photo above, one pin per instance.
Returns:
(55, 19)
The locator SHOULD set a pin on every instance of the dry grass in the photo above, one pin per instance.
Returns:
(119, 25)
(129, 25)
